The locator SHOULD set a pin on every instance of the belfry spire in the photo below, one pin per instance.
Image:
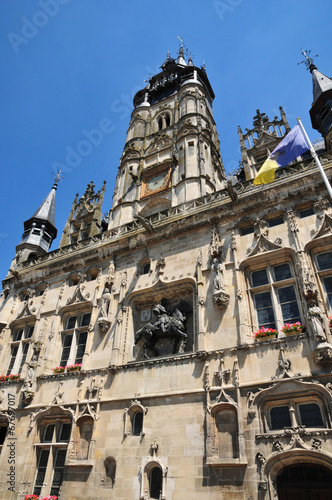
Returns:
(321, 109)
(39, 229)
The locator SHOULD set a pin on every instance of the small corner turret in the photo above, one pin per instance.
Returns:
(39, 230)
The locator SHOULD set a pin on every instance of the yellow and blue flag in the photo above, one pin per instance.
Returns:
(292, 146)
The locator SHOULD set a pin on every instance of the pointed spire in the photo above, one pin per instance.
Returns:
(46, 211)
(320, 84)
(181, 60)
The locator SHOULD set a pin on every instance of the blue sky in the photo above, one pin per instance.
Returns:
(71, 66)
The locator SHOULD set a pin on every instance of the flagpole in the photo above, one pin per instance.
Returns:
(314, 154)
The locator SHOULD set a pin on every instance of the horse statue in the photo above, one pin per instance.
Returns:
(168, 325)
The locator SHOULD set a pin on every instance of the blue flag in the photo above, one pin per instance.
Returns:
(292, 146)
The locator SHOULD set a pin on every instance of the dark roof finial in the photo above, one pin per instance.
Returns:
(58, 176)
(308, 61)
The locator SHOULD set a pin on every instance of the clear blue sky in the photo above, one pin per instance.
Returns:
(69, 64)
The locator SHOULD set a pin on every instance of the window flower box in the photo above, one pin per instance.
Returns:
(292, 328)
(35, 497)
(73, 368)
(266, 334)
(67, 368)
(59, 369)
(8, 378)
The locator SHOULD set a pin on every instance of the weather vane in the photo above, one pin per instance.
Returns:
(57, 176)
(181, 41)
(308, 61)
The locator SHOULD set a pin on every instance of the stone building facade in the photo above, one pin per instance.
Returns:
(130, 369)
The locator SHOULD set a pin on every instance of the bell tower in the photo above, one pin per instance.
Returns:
(39, 230)
(172, 153)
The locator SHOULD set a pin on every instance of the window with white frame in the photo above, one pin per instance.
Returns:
(274, 296)
(294, 413)
(324, 265)
(51, 457)
(19, 348)
(74, 338)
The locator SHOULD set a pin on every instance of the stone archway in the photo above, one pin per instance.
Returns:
(304, 481)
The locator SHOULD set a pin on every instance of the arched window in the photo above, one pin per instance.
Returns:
(110, 469)
(168, 120)
(134, 419)
(137, 423)
(160, 123)
(155, 482)
(145, 268)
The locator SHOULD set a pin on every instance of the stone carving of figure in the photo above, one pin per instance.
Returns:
(169, 324)
(316, 319)
(105, 302)
(217, 275)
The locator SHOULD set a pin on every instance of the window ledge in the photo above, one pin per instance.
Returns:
(79, 463)
(225, 462)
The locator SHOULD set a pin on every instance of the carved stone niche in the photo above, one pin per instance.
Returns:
(134, 419)
(224, 446)
(163, 320)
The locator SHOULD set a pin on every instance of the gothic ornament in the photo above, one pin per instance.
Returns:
(263, 244)
(306, 277)
(292, 221)
(221, 299)
(278, 446)
(27, 392)
(325, 227)
(216, 247)
(78, 295)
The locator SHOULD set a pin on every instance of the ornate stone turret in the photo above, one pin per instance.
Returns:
(171, 154)
(257, 143)
(86, 217)
(39, 230)
(321, 109)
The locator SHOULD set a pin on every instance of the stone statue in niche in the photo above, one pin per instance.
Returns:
(316, 320)
(170, 323)
(217, 275)
(103, 321)
(220, 297)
